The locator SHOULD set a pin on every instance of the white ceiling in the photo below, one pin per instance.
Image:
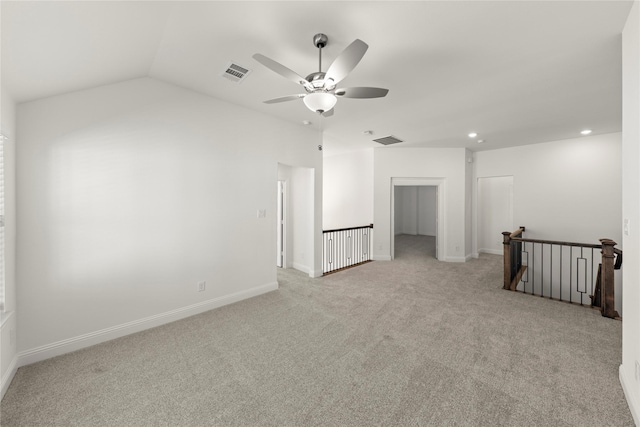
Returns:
(516, 72)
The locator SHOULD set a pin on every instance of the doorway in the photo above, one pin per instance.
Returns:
(295, 238)
(417, 215)
(416, 220)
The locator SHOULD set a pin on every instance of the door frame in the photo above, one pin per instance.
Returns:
(439, 183)
(281, 224)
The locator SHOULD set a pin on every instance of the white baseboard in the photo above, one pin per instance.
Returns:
(456, 259)
(315, 274)
(8, 376)
(86, 340)
(301, 267)
(382, 257)
(475, 255)
(491, 251)
(632, 400)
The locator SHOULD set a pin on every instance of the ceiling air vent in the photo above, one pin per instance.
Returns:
(236, 73)
(388, 140)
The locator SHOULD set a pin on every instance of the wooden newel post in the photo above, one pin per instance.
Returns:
(608, 280)
(506, 249)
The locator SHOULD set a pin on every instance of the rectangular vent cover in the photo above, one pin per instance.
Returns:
(388, 140)
(235, 73)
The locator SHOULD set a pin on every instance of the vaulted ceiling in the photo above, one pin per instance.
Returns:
(515, 72)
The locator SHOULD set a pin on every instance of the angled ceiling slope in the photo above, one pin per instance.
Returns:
(516, 72)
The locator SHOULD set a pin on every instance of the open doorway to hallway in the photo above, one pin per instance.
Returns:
(415, 220)
(294, 218)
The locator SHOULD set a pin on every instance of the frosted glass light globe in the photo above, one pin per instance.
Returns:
(320, 102)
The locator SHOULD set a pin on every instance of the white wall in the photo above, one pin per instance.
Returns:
(562, 190)
(301, 219)
(495, 212)
(132, 193)
(409, 210)
(427, 213)
(631, 210)
(447, 164)
(348, 189)
(8, 319)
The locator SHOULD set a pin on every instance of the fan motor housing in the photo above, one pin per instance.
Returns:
(318, 81)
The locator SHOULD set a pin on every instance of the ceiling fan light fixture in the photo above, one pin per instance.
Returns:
(320, 102)
(321, 93)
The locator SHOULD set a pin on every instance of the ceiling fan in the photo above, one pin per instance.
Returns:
(320, 87)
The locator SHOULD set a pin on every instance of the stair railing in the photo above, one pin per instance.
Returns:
(346, 247)
(565, 271)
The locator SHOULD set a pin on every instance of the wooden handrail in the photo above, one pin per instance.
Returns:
(518, 232)
(556, 242)
(618, 263)
(514, 268)
(348, 228)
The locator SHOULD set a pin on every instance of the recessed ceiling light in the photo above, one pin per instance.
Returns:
(473, 135)
(480, 141)
(306, 122)
(585, 132)
(368, 132)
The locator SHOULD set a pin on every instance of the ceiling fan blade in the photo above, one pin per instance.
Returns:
(281, 69)
(285, 98)
(346, 61)
(361, 92)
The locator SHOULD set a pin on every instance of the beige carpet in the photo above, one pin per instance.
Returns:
(409, 342)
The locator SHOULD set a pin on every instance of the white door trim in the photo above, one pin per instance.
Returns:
(281, 224)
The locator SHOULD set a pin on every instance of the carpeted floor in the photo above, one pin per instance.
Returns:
(409, 342)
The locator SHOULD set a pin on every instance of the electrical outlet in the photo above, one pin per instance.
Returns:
(262, 213)
(637, 371)
(202, 286)
(626, 226)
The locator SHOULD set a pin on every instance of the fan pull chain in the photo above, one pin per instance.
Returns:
(320, 132)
